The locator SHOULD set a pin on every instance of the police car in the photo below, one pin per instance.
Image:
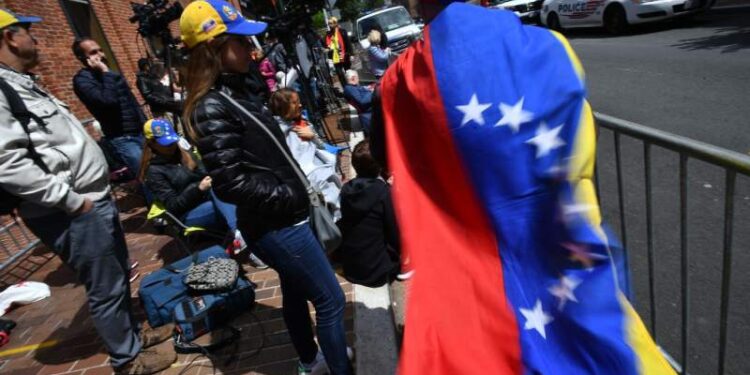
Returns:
(527, 10)
(615, 15)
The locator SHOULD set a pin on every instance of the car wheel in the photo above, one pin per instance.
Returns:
(615, 20)
(553, 22)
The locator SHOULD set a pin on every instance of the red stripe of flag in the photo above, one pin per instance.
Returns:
(458, 319)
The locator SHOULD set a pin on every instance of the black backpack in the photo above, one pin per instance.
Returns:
(9, 202)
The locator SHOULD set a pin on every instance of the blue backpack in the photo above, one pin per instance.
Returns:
(163, 290)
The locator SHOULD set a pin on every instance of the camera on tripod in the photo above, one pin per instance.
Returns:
(154, 17)
(294, 15)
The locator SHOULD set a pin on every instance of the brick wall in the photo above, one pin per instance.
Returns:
(55, 37)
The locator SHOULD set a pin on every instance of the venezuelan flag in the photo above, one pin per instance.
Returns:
(491, 143)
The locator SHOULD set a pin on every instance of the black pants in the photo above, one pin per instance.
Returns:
(340, 72)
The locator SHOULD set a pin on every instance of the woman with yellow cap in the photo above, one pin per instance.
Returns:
(249, 170)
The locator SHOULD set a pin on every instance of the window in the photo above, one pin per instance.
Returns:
(84, 23)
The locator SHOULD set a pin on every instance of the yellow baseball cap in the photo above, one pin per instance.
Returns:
(8, 18)
(206, 19)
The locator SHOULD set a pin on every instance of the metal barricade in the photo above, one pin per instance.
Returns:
(15, 241)
(731, 162)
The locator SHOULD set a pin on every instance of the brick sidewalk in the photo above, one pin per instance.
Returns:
(56, 335)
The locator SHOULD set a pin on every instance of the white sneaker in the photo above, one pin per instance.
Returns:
(256, 262)
(317, 367)
(240, 245)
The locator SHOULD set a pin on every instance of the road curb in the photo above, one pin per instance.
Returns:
(729, 8)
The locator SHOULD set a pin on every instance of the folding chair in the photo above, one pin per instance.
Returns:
(166, 222)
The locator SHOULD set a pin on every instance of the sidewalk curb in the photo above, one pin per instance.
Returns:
(374, 331)
(728, 8)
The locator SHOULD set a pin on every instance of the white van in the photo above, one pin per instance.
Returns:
(615, 15)
(400, 29)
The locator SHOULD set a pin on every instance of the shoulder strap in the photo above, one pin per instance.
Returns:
(281, 148)
(18, 107)
(24, 116)
(182, 346)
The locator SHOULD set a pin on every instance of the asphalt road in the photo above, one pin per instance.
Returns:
(690, 78)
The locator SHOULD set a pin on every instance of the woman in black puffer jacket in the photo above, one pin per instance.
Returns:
(248, 170)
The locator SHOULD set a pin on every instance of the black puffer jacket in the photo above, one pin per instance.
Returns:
(246, 167)
(158, 96)
(174, 185)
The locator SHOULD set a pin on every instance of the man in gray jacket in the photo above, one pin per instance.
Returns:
(70, 208)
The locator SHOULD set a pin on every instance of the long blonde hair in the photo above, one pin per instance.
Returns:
(203, 69)
(374, 37)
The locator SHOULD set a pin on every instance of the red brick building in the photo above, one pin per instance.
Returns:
(63, 21)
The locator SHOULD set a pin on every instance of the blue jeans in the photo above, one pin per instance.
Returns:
(212, 214)
(306, 275)
(93, 245)
(129, 149)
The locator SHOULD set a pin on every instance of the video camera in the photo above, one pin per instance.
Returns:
(294, 15)
(154, 17)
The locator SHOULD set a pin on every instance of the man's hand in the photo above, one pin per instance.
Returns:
(205, 184)
(87, 206)
(304, 132)
(96, 63)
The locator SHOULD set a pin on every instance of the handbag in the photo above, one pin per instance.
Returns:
(214, 274)
(321, 220)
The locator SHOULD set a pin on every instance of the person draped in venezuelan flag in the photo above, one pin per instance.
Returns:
(491, 143)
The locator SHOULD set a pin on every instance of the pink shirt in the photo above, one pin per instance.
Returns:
(269, 73)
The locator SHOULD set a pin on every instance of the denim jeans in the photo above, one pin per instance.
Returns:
(129, 149)
(212, 214)
(93, 245)
(306, 275)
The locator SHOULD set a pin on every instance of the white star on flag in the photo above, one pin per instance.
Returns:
(514, 116)
(564, 290)
(546, 140)
(473, 111)
(536, 319)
